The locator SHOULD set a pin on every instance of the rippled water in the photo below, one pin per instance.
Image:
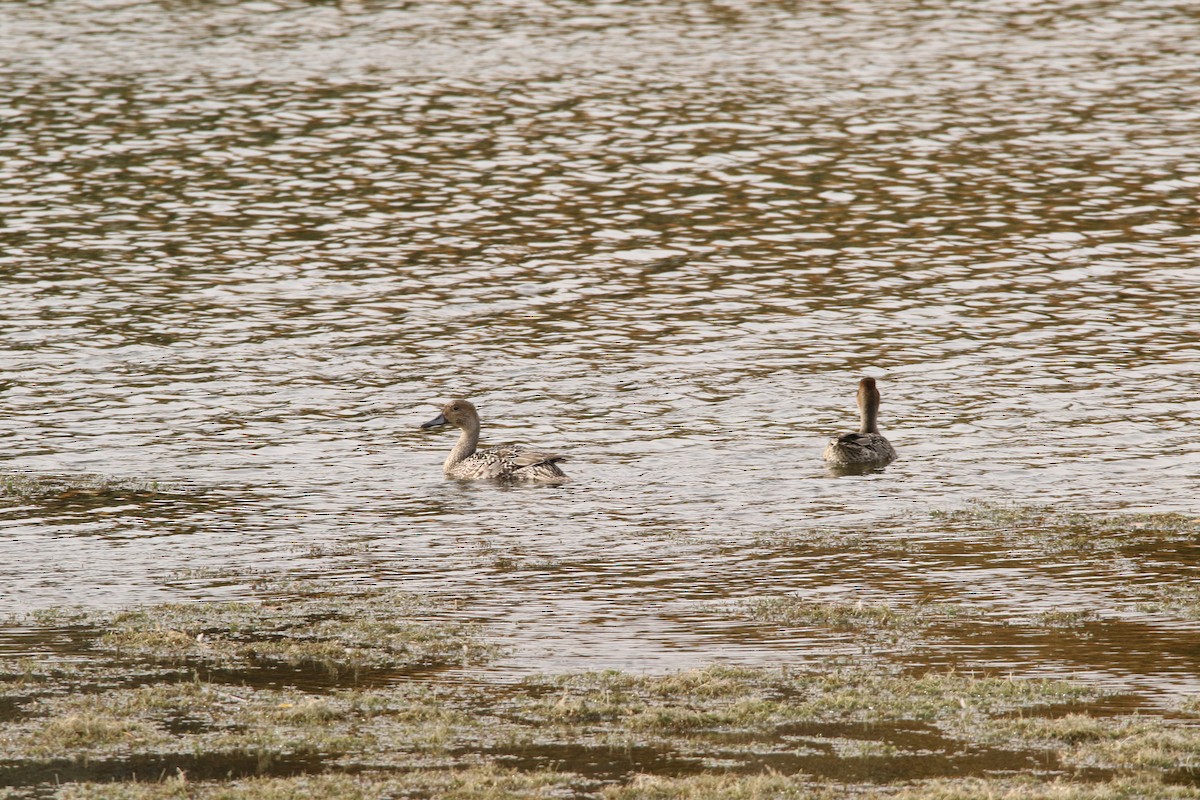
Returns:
(246, 246)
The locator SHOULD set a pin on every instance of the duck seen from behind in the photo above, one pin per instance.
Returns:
(866, 446)
(509, 462)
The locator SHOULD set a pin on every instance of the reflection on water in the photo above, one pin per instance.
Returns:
(247, 246)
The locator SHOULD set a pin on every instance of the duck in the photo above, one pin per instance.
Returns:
(866, 446)
(505, 463)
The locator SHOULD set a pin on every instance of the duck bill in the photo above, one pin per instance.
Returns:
(437, 421)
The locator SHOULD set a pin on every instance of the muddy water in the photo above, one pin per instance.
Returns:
(247, 245)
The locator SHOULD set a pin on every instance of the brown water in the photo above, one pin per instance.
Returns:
(247, 245)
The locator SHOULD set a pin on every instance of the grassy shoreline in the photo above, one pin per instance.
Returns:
(277, 699)
(354, 691)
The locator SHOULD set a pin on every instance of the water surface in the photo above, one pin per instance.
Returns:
(247, 246)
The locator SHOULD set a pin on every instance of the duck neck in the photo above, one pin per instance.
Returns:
(467, 441)
(868, 413)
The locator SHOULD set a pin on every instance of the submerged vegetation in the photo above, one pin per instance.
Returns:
(1054, 529)
(1178, 600)
(353, 630)
(44, 487)
(313, 690)
(859, 616)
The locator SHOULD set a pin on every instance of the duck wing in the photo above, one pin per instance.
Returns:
(535, 465)
(855, 439)
(531, 458)
(860, 448)
(511, 461)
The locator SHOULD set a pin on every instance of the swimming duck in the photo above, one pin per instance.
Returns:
(508, 462)
(867, 445)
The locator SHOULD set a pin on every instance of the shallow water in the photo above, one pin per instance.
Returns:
(248, 245)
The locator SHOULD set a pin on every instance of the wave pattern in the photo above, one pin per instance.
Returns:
(247, 245)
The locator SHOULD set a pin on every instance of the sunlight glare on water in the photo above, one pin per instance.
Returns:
(248, 246)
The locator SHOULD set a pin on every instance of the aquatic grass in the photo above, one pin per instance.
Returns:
(1056, 529)
(27, 678)
(324, 551)
(836, 540)
(857, 615)
(462, 727)
(493, 783)
(1135, 787)
(142, 719)
(214, 574)
(747, 731)
(782, 787)
(1182, 600)
(60, 617)
(714, 681)
(765, 698)
(1067, 729)
(725, 787)
(1049, 517)
(1126, 743)
(299, 626)
(85, 488)
(873, 695)
(477, 783)
(677, 712)
(1060, 618)
(79, 732)
(74, 726)
(21, 673)
(1139, 744)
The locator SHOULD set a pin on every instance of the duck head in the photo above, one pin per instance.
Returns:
(459, 413)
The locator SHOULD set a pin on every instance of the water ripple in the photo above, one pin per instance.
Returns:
(247, 245)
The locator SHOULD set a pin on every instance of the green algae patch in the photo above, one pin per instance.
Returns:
(297, 626)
